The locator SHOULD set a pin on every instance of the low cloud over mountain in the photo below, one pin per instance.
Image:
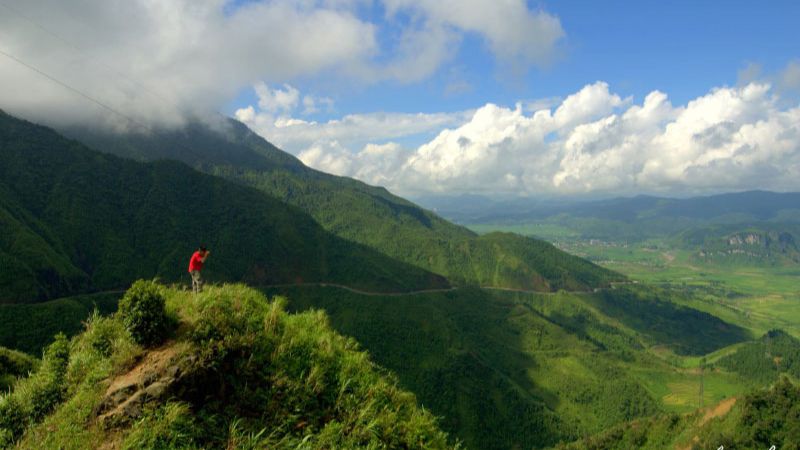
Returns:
(158, 63)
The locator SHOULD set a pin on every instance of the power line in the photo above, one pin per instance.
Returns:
(87, 55)
(80, 92)
(73, 89)
(36, 24)
(87, 96)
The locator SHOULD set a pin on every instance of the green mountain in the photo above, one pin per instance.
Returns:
(763, 418)
(741, 206)
(30, 327)
(624, 219)
(237, 372)
(357, 212)
(503, 368)
(74, 220)
(765, 360)
(761, 243)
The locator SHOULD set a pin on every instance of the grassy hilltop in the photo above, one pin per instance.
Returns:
(235, 372)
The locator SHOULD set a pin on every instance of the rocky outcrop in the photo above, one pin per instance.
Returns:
(747, 238)
(158, 376)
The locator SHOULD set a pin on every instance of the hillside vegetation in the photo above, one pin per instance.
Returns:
(357, 212)
(237, 372)
(75, 220)
(760, 420)
(756, 244)
(521, 370)
(537, 368)
(764, 360)
(30, 327)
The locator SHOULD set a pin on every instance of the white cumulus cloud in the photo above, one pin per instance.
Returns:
(513, 31)
(594, 141)
(283, 99)
(162, 61)
(281, 126)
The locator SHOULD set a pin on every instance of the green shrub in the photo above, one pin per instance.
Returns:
(143, 314)
(12, 420)
(250, 376)
(101, 332)
(47, 388)
(229, 323)
(34, 397)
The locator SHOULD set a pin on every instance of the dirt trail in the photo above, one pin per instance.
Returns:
(428, 291)
(359, 291)
(720, 410)
(613, 285)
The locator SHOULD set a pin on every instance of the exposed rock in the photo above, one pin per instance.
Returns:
(748, 238)
(155, 377)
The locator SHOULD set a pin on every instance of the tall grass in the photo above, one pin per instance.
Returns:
(253, 376)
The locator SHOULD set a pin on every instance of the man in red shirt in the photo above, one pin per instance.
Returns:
(195, 266)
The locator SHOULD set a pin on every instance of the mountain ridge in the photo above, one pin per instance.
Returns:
(357, 212)
(759, 204)
(76, 220)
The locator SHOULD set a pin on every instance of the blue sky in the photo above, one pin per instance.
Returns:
(616, 53)
(490, 97)
(680, 47)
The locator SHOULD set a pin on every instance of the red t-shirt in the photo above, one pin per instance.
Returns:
(196, 263)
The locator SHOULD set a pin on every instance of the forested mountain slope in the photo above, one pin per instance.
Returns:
(762, 243)
(527, 370)
(75, 220)
(358, 212)
(762, 418)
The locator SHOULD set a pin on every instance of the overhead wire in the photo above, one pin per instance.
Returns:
(86, 55)
(81, 93)
(73, 89)
(84, 95)
(88, 97)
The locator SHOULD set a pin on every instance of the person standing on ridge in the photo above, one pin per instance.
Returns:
(195, 266)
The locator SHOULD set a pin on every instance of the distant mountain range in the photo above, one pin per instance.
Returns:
(746, 227)
(761, 243)
(723, 208)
